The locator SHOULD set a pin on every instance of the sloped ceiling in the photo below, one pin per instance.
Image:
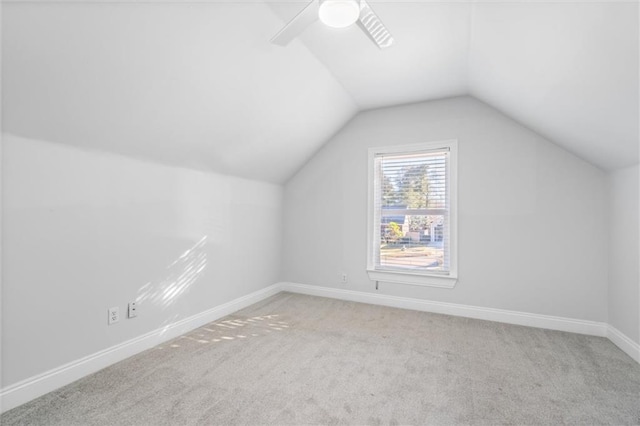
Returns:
(197, 84)
(568, 70)
(428, 60)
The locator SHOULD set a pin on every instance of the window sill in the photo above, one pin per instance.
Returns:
(398, 277)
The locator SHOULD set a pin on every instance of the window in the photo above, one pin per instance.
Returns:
(412, 214)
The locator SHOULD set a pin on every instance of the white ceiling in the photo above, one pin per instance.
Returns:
(427, 61)
(566, 70)
(198, 85)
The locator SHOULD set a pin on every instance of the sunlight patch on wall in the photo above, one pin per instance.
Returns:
(181, 274)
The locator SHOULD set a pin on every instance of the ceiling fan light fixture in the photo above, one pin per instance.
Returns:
(336, 14)
(339, 13)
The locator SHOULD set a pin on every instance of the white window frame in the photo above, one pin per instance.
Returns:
(421, 278)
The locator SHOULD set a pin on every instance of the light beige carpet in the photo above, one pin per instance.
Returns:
(295, 359)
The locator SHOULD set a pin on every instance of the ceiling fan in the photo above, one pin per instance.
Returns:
(336, 14)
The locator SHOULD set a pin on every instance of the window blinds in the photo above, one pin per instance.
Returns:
(411, 211)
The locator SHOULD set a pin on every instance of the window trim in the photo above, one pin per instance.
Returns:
(430, 279)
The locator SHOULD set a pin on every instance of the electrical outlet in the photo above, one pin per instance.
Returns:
(344, 278)
(133, 310)
(114, 315)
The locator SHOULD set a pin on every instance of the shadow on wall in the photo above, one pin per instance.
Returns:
(181, 274)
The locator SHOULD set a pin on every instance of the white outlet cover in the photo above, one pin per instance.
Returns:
(133, 310)
(114, 315)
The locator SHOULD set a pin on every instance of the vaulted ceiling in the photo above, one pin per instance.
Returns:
(198, 84)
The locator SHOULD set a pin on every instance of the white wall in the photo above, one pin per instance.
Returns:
(624, 276)
(533, 224)
(84, 231)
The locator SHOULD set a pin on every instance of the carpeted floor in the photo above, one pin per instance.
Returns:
(295, 359)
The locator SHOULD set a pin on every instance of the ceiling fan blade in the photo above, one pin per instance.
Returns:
(373, 27)
(302, 20)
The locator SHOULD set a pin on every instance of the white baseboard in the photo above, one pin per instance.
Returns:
(622, 341)
(571, 325)
(36, 386)
(490, 314)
